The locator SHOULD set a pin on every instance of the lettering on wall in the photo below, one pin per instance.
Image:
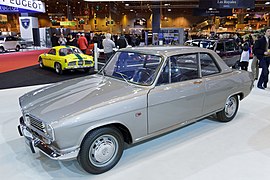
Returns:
(32, 5)
(8, 9)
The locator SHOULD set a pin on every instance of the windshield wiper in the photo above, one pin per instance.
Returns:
(123, 76)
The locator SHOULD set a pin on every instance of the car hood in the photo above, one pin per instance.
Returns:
(63, 99)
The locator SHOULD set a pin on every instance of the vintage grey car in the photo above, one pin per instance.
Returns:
(140, 93)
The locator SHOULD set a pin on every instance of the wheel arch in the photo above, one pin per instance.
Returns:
(120, 127)
(3, 48)
(240, 95)
(58, 63)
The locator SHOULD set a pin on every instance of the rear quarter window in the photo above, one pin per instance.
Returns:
(208, 65)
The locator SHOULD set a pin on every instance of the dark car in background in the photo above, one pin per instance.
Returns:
(227, 49)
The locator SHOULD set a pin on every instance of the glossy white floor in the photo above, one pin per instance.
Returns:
(207, 150)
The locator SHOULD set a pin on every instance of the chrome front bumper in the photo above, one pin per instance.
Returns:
(35, 143)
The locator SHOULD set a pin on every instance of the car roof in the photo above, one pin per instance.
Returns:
(166, 50)
(60, 47)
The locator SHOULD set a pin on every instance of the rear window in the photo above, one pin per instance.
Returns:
(65, 51)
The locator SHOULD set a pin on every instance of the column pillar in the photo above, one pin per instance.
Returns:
(155, 23)
(156, 20)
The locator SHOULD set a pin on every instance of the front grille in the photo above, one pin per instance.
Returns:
(73, 63)
(88, 62)
(37, 124)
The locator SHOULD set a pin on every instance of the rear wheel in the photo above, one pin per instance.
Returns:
(2, 49)
(86, 70)
(40, 62)
(230, 109)
(101, 150)
(58, 68)
(17, 48)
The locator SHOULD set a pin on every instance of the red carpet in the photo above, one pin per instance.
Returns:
(17, 60)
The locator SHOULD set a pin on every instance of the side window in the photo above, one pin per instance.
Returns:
(229, 46)
(8, 38)
(52, 52)
(13, 38)
(179, 68)
(208, 65)
(220, 46)
(184, 67)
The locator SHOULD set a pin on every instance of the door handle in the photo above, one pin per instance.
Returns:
(197, 82)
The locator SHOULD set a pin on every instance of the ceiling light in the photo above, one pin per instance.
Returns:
(126, 4)
(166, 4)
(169, 9)
(131, 10)
(267, 3)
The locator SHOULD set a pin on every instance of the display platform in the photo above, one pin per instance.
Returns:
(19, 69)
(207, 150)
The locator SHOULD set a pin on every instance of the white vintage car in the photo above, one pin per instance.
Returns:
(139, 94)
(9, 43)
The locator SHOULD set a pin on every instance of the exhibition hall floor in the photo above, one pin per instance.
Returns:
(207, 150)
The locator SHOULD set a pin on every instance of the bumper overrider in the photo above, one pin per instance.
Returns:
(34, 141)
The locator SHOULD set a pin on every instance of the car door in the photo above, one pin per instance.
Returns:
(48, 59)
(9, 43)
(232, 52)
(179, 94)
(216, 84)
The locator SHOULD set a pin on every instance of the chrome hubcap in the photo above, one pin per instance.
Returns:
(230, 107)
(103, 150)
(40, 63)
(57, 68)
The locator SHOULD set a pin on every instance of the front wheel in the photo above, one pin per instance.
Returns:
(230, 109)
(101, 150)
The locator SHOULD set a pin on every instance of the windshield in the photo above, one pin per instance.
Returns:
(133, 67)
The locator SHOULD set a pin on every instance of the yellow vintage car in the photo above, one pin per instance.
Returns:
(66, 58)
